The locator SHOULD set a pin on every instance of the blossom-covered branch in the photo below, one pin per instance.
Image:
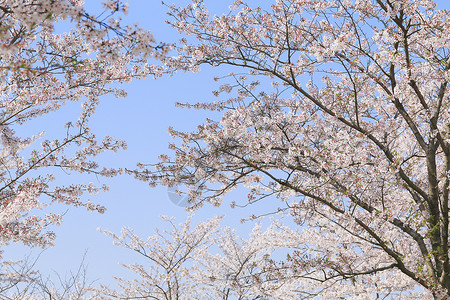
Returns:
(42, 70)
(340, 109)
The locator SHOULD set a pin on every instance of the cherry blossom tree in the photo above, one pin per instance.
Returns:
(338, 115)
(204, 261)
(207, 261)
(171, 255)
(41, 70)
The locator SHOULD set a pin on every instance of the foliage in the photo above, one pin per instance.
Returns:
(352, 137)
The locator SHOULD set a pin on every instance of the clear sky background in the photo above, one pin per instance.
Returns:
(142, 120)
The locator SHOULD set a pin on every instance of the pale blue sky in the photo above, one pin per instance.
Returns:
(142, 120)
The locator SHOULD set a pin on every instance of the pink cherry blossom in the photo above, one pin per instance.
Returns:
(344, 126)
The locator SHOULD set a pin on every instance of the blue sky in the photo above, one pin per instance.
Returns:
(142, 120)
